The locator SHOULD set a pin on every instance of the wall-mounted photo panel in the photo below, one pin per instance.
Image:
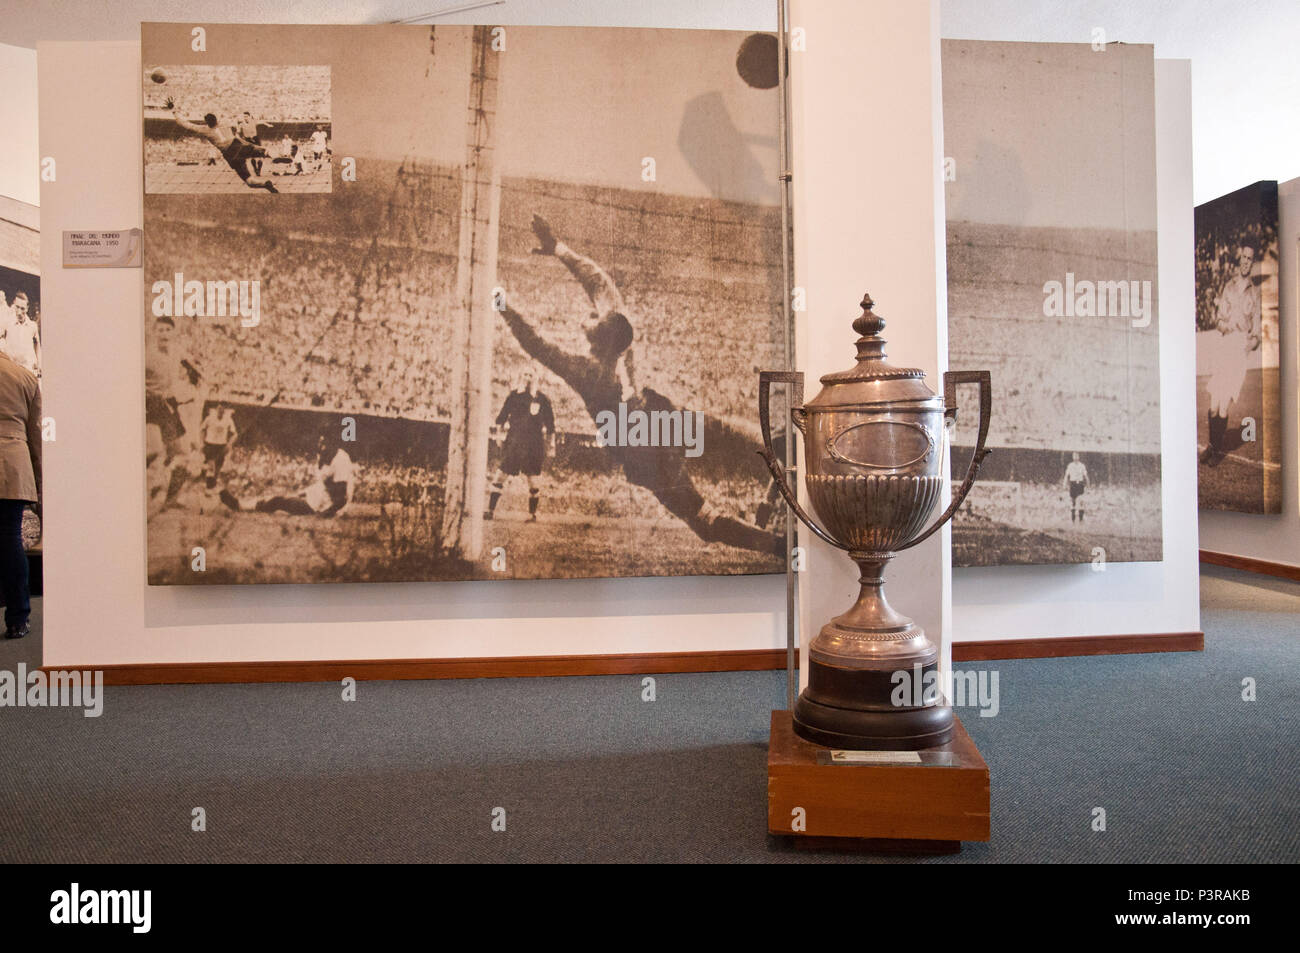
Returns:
(1238, 403)
(500, 320)
(1051, 212)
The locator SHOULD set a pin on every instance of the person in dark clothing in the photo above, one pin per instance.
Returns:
(20, 483)
(239, 153)
(530, 423)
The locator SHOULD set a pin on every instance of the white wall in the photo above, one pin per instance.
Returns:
(1274, 537)
(869, 217)
(19, 170)
(1017, 602)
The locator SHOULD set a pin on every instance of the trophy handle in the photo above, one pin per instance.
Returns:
(950, 381)
(797, 414)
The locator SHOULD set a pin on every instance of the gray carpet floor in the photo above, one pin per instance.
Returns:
(411, 771)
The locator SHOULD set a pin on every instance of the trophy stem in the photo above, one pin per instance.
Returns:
(872, 612)
(871, 673)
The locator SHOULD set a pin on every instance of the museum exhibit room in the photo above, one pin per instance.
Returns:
(693, 432)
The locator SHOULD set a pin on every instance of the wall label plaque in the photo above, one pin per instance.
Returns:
(102, 248)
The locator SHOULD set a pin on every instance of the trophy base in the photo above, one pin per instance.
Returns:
(856, 729)
(859, 709)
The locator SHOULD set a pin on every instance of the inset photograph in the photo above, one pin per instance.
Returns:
(234, 129)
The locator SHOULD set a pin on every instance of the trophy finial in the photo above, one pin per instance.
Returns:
(869, 325)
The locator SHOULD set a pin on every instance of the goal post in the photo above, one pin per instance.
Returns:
(474, 315)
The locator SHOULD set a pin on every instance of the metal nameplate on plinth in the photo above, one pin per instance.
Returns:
(937, 759)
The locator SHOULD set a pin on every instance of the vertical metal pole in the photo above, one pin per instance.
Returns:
(476, 274)
(786, 272)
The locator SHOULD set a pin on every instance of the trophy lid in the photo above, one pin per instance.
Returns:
(873, 379)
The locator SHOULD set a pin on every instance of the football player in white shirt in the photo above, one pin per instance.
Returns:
(318, 148)
(219, 432)
(327, 495)
(1076, 481)
(1237, 317)
(21, 336)
(174, 394)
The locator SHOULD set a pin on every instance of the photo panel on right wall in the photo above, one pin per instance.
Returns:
(1238, 404)
(1050, 181)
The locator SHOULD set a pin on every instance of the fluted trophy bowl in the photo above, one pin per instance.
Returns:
(874, 456)
(874, 480)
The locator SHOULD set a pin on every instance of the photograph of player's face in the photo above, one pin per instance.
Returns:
(1238, 400)
(1052, 286)
(20, 332)
(593, 415)
(1245, 261)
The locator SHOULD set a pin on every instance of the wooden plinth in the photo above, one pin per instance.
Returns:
(928, 807)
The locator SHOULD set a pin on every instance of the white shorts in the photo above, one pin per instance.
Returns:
(318, 497)
(1228, 361)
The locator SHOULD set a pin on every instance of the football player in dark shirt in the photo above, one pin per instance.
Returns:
(239, 154)
(597, 380)
(529, 423)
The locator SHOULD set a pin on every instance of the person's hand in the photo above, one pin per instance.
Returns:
(545, 237)
(169, 103)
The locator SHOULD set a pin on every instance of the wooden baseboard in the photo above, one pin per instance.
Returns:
(749, 660)
(1249, 564)
(1083, 645)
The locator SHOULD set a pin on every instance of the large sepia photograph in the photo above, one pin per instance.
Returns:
(1238, 403)
(1051, 221)
(515, 337)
